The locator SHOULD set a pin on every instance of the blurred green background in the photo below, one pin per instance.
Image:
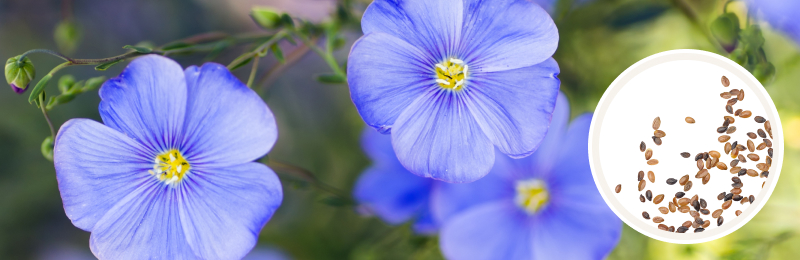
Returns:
(320, 128)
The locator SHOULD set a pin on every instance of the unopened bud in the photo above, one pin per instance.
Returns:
(19, 73)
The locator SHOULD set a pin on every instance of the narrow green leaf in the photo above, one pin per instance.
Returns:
(39, 88)
(175, 46)
(331, 78)
(138, 49)
(65, 83)
(276, 50)
(105, 66)
(239, 63)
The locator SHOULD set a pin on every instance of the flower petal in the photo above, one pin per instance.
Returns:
(147, 102)
(434, 26)
(506, 34)
(576, 210)
(227, 123)
(96, 167)
(494, 230)
(223, 210)
(448, 199)
(392, 193)
(143, 225)
(437, 137)
(591, 222)
(385, 75)
(514, 107)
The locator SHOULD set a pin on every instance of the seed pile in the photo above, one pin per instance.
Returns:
(749, 160)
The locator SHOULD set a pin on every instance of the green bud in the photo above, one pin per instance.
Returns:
(94, 83)
(47, 148)
(764, 72)
(65, 83)
(67, 36)
(19, 73)
(753, 38)
(266, 17)
(726, 30)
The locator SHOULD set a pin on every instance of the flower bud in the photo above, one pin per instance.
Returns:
(266, 17)
(19, 73)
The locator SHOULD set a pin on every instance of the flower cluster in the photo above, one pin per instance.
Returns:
(524, 209)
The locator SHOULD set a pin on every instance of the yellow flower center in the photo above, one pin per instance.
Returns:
(451, 74)
(531, 195)
(170, 167)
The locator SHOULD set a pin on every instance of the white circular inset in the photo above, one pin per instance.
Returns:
(674, 85)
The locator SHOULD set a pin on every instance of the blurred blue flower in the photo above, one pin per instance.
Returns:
(545, 206)
(266, 253)
(388, 190)
(171, 174)
(781, 14)
(453, 79)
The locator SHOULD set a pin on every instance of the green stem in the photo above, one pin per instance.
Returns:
(275, 38)
(253, 71)
(62, 56)
(47, 117)
(306, 175)
(327, 56)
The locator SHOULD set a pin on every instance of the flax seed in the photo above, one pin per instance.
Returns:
(720, 220)
(730, 119)
(659, 133)
(658, 199)
(683, 209)
(648, 154)
(734, 163)
(721, 196)
(752, 173)
(740, 96)
(651, 176)
(738, 212)
(716, 213)
(641, 185)
(769, 152)
(736, 191)
(768, 142)
(656, 140)
(690, 120)
(681, 229)
(734, 92)
(764, 174)
(726, 204)
(618, 188)
(745, 114)
(649, 195)
(688, 186)
(735, 169)
(759, 119)
(738, 111)
(737, 197)
(683, 201)
(671, 181)
(729, 109)
(652, 162)
(742, 172)
(761, 133)
(686, 224)
(656, 123)
(742, 158)
(701, 174)
(685, 155)
(732, 101)
(663, 210)
(641, 176)
(744, 200)
(672, 207)
(753, 157)
(680, 193)
(752, 135)
(725, 81)
(752, 198)
(722, 129)
(704, 211)
(727, 148)
(645, 215)
(731, 129)
(723, 138)
(641, 198)
(741, 147)
(699, 164)
(761, 146)
(725, 95)
(722, 166)
(684, 180)
(714, 154)
(728, 197)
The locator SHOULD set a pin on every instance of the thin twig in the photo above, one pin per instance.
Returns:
(47, 117)
(267, 79)
(253, 71)
(306, 175)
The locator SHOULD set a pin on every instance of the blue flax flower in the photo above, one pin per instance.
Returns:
(388, 190)
(453, 79)
(542, 207)
(781, 14)
(171, 174)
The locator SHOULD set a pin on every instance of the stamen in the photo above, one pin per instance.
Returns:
(465, 70)
(459, 83)
(443, 82)
(170, 167)
(456, 61)
(442, 67)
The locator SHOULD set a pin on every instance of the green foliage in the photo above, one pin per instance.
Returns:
(138, 49)
(47, 148)
(726, 30)
(105, 66)
(331, 78)
(267, 18)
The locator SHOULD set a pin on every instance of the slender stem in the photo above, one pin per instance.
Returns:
(62, 56)
(253, 71)
(47, 117)
(275, 38)
(327, 56)
(306, 175)
(267, 79)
